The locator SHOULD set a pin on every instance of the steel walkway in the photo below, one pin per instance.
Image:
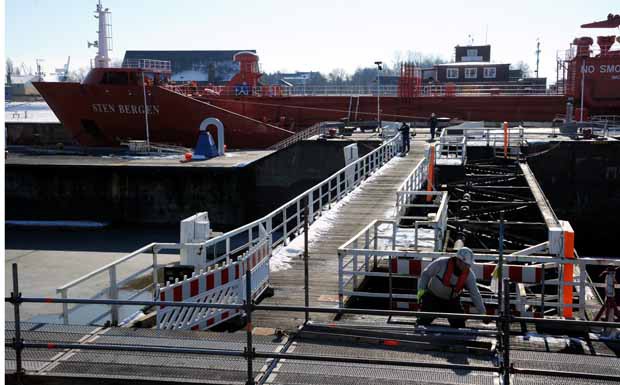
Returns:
(374, 199)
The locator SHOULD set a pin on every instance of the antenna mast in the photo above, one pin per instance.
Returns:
(537, 55)
(104, 44)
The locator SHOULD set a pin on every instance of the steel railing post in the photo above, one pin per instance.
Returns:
(306, 277)
(65, 307)
(542, 293)
(367, 246)
(500, 262)
(390, 280)
(16, 297)
(154, 266)
(284, 220)
(113, 294)
(249, 350)
(506, 333)
(311, 204)
(375, 246)
(355, 246)
(341, 279)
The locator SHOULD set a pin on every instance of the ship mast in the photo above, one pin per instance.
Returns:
(104, 43)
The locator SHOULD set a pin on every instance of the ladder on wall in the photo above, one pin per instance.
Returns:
(353, 99)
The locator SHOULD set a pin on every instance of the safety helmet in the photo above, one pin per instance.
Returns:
(466, 255)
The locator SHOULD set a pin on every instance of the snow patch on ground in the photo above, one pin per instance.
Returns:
(37, 112)
(81, 224)
(144, 157)
(405, 237)
(283, 255)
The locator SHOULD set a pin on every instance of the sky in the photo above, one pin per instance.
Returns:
(317, 35)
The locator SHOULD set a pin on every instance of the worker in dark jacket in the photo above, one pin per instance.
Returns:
(441, 284)
(404, 132)
(433, 123)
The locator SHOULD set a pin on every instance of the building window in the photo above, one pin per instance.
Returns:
(471, 73)
(472, 52)
(490, 73)
(453, 73)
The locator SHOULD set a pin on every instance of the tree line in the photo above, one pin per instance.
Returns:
(362, 75)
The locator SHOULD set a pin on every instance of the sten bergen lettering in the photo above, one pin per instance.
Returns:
(126, 108)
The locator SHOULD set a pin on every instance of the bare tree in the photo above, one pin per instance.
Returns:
(523, 67)
(9, 70)
(338, 76)
(116, 63)
(418, 58)
(77, 75)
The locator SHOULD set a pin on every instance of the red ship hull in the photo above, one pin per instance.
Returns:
(98, 115)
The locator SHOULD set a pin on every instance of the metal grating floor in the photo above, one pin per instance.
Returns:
(566, 362)
(313, 372)
(546, 380)
(342, 340)
(291, 371)
(125, 365)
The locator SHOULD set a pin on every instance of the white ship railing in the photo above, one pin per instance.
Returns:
(427, 90)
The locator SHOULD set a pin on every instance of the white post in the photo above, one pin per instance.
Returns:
(146, 116)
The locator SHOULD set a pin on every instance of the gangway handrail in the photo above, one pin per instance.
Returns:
(114, 283)
(149, 247)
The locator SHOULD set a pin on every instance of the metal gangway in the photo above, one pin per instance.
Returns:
(222, 259)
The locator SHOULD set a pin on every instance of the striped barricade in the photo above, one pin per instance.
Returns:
(224, 284)
(530, 274)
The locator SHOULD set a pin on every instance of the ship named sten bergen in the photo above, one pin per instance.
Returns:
(116, 104)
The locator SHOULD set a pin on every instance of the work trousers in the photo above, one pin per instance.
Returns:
(433, 132)
(434, 304)
(405, 144)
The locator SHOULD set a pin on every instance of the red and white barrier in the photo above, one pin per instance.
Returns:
(224, 284)
(531, 274)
